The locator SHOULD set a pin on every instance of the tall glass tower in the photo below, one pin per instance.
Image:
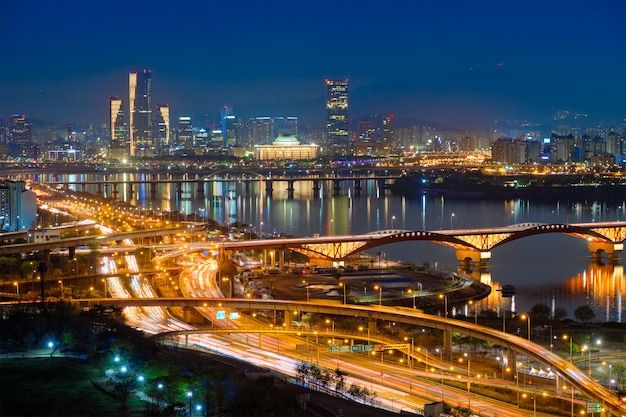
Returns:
(337, 111)
(140, 113)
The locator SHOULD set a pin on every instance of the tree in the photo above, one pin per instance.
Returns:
(584, 314)
(540, 313)
(560, 313)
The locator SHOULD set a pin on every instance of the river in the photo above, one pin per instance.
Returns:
(551, 269)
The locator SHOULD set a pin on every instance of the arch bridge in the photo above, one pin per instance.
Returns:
(471, 245)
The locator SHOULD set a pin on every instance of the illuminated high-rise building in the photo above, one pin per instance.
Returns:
(184, 133)
(230, 127)
(337, 111)
(162, 122)
(388, 131)
(21, 132)
(118, 146)
(140, 113)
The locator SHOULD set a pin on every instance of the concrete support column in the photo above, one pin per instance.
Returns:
(447, 345)
(479, 258)
(611, 249)
(115, 192)
(99, 191)
(316, 187)
(130, 190)
(269, 188)
(512, 359)
(290, 189)
(336, 187)
(200, 188)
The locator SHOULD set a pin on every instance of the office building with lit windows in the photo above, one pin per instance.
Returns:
(162, 124)
(118, 144)
(140, 113)
(337, 112)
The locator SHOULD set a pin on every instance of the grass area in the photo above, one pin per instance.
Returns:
(54, 387)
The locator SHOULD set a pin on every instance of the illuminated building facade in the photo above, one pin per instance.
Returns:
(162, 122)
(184, 133)
(337, 111)
(140, 113)
(286, 147)
(118, 146)
(18, 206)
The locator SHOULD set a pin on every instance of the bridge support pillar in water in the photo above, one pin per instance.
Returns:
(611, 249)
(290, 189)
(465, 256)
(269, 188)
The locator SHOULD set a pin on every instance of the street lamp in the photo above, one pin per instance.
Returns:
(305, 282)
(61, 282)
(451, 217)
(527, 317)
(445, 303)
(329, 321)
(410, 355)
(380, 294)
(469, 395)
(341, 284)
(471, 302)
(189, 395)
(392, 220)
(104, 281)
(570, 346)
(412, 291)
(17, 288)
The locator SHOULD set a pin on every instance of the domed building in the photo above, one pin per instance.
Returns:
(286, 147)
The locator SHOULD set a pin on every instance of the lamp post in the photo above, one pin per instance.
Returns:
(104, 281)
(469, 395)
(451, 217)
(445, 303)
(392, 220)
(305, 282)
(189, 395)
(380, 294)
(332, 322)
(565, 337)
(61, 282)
(527, 317)
(17, 288)
(410, 355)
(341, 284)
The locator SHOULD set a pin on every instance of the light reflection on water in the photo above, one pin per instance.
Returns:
(548, 269)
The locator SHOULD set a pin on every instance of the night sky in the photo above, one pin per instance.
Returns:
(457, 63)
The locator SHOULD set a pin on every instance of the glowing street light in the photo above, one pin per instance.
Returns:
(565, 337)
(527, 317)
(341, 284)
(445, 298)
(380, 294)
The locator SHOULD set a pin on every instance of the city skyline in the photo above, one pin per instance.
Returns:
(451, 63)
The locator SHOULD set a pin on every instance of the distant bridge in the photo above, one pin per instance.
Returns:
(471, 245)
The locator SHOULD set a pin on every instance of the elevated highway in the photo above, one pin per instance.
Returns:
(514, 344)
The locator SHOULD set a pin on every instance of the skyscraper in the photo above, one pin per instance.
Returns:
(162, 121)
(118, 146)
(21, 132)
(337, 111)
(140, 113)
(184, 133)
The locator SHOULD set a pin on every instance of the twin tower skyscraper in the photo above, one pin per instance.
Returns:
(145, 134)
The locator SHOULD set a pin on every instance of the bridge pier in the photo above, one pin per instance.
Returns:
(611, 249)
(269, 188)
(200, 188)
(290, 189)
(179, 189)
(357, 187)
(115, 192)
(465, 256)
(336, 187)
(130, 190)
(316, 188)
(99, 190)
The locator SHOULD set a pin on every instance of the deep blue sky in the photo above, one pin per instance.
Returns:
(454, 62)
